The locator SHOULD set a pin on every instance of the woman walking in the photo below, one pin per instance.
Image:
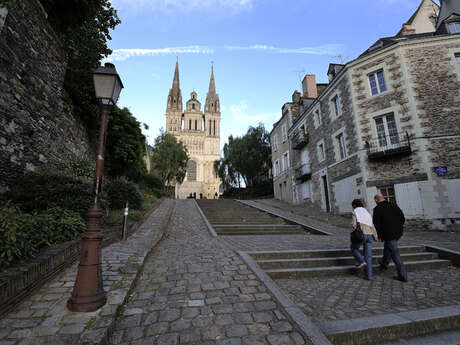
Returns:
(361, 217)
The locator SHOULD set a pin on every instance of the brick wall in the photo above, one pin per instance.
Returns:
(36, 127)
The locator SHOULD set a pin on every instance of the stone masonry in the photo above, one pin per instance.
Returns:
(36, 127)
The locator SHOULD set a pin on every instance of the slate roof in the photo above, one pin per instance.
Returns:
(448, 8)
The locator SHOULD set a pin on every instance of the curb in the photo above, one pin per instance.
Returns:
(310, 228)
(208, 225)
(309, 330)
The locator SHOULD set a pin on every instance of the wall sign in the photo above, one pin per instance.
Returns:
(440, 171)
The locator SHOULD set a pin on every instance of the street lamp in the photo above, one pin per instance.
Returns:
(88, 292)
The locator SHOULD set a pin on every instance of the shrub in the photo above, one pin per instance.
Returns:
(36, 192)
(116, 217)
(150, 183)
(23, 234)
(118, 192)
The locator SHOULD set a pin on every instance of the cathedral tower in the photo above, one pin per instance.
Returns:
(199, 130)
(174, 107)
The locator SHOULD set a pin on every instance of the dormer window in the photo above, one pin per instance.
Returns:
(454, 28)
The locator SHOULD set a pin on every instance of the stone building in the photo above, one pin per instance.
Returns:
(200, 132)
(388, 121)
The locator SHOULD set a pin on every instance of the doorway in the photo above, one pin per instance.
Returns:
(326, 193)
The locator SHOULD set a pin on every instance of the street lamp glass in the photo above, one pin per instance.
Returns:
(107, 84)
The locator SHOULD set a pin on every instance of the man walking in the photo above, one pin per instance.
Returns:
(389, 221)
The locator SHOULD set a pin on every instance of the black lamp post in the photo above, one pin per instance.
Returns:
(88, 292)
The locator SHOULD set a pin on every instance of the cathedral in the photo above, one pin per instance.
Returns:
(200, 132)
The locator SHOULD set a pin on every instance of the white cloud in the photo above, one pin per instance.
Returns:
(240, 112)
(326, 49)
(124, 54)
(184, 5)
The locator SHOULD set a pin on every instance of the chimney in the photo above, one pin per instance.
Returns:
(309, 86)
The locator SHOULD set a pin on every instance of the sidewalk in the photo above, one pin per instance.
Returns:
(44, 319)
(196, 290)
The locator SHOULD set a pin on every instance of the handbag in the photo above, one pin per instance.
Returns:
(357, 236)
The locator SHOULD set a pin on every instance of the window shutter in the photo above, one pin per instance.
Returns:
(454, 194)
(408, 199)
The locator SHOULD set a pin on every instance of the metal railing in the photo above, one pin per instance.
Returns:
(299, 139)
(388, 145)
(303, 172)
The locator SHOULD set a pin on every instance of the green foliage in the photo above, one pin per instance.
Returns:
(150, 183)
(23, 234)
(125, 147)
(119, 192)
(170, 157)
(84, 28)
(116, 217)
(247, 158)
(36, 192)
(78, 168)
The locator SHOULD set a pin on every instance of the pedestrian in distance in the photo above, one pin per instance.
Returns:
(389, 222)
(362, 220)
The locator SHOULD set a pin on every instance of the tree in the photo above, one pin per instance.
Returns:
(247, 158)
(170, 158)
(126, 145)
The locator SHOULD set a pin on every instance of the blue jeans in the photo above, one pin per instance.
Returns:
(391, 252)
(367, 245)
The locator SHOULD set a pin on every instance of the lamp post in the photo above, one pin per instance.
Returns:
(88, 292)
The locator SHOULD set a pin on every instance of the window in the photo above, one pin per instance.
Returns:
(196, 125)
(340, 140)
(321, 152)
(277, 167)
(193, 105)
(284, 132)
(387, 132)
(337, 106)
(214, 129)
(457, 58)
(286, 160)
(389, 193)
(454, 28)
(377, 82)
(275, 142)
(189, 124)
(209, 127)
(317, 118)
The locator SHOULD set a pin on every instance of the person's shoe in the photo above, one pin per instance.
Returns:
(401, 279)
(363, 264)
(366, 278)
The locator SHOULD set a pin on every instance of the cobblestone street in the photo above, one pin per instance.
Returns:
(195, 290)
(347, 297)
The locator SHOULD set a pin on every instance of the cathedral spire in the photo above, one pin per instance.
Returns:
(175, 95)
(176, 83)
(212, 98)
(212, 83)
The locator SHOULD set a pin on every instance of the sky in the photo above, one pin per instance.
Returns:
(260, 50)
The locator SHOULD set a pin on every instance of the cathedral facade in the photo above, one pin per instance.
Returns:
(199, 130)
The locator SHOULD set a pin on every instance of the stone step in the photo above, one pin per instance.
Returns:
(335, 261)
(387, 327)
(298, 273)
(259, 233)
(258, 226)
(438, 338)
(299, 254)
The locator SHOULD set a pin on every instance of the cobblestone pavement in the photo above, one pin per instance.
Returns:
(44, 319)
(346, 297)
(195, 290)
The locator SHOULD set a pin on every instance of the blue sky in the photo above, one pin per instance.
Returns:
(259, 48)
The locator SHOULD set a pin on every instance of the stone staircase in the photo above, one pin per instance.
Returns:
(331, 262)
(230, 218)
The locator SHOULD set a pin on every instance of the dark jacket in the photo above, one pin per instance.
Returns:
(388, 221)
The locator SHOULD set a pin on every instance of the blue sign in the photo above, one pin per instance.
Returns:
(440, 171)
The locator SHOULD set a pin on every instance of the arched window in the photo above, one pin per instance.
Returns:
(191, 170)
(196, 125)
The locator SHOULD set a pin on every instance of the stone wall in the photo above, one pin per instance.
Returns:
(36, 127)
